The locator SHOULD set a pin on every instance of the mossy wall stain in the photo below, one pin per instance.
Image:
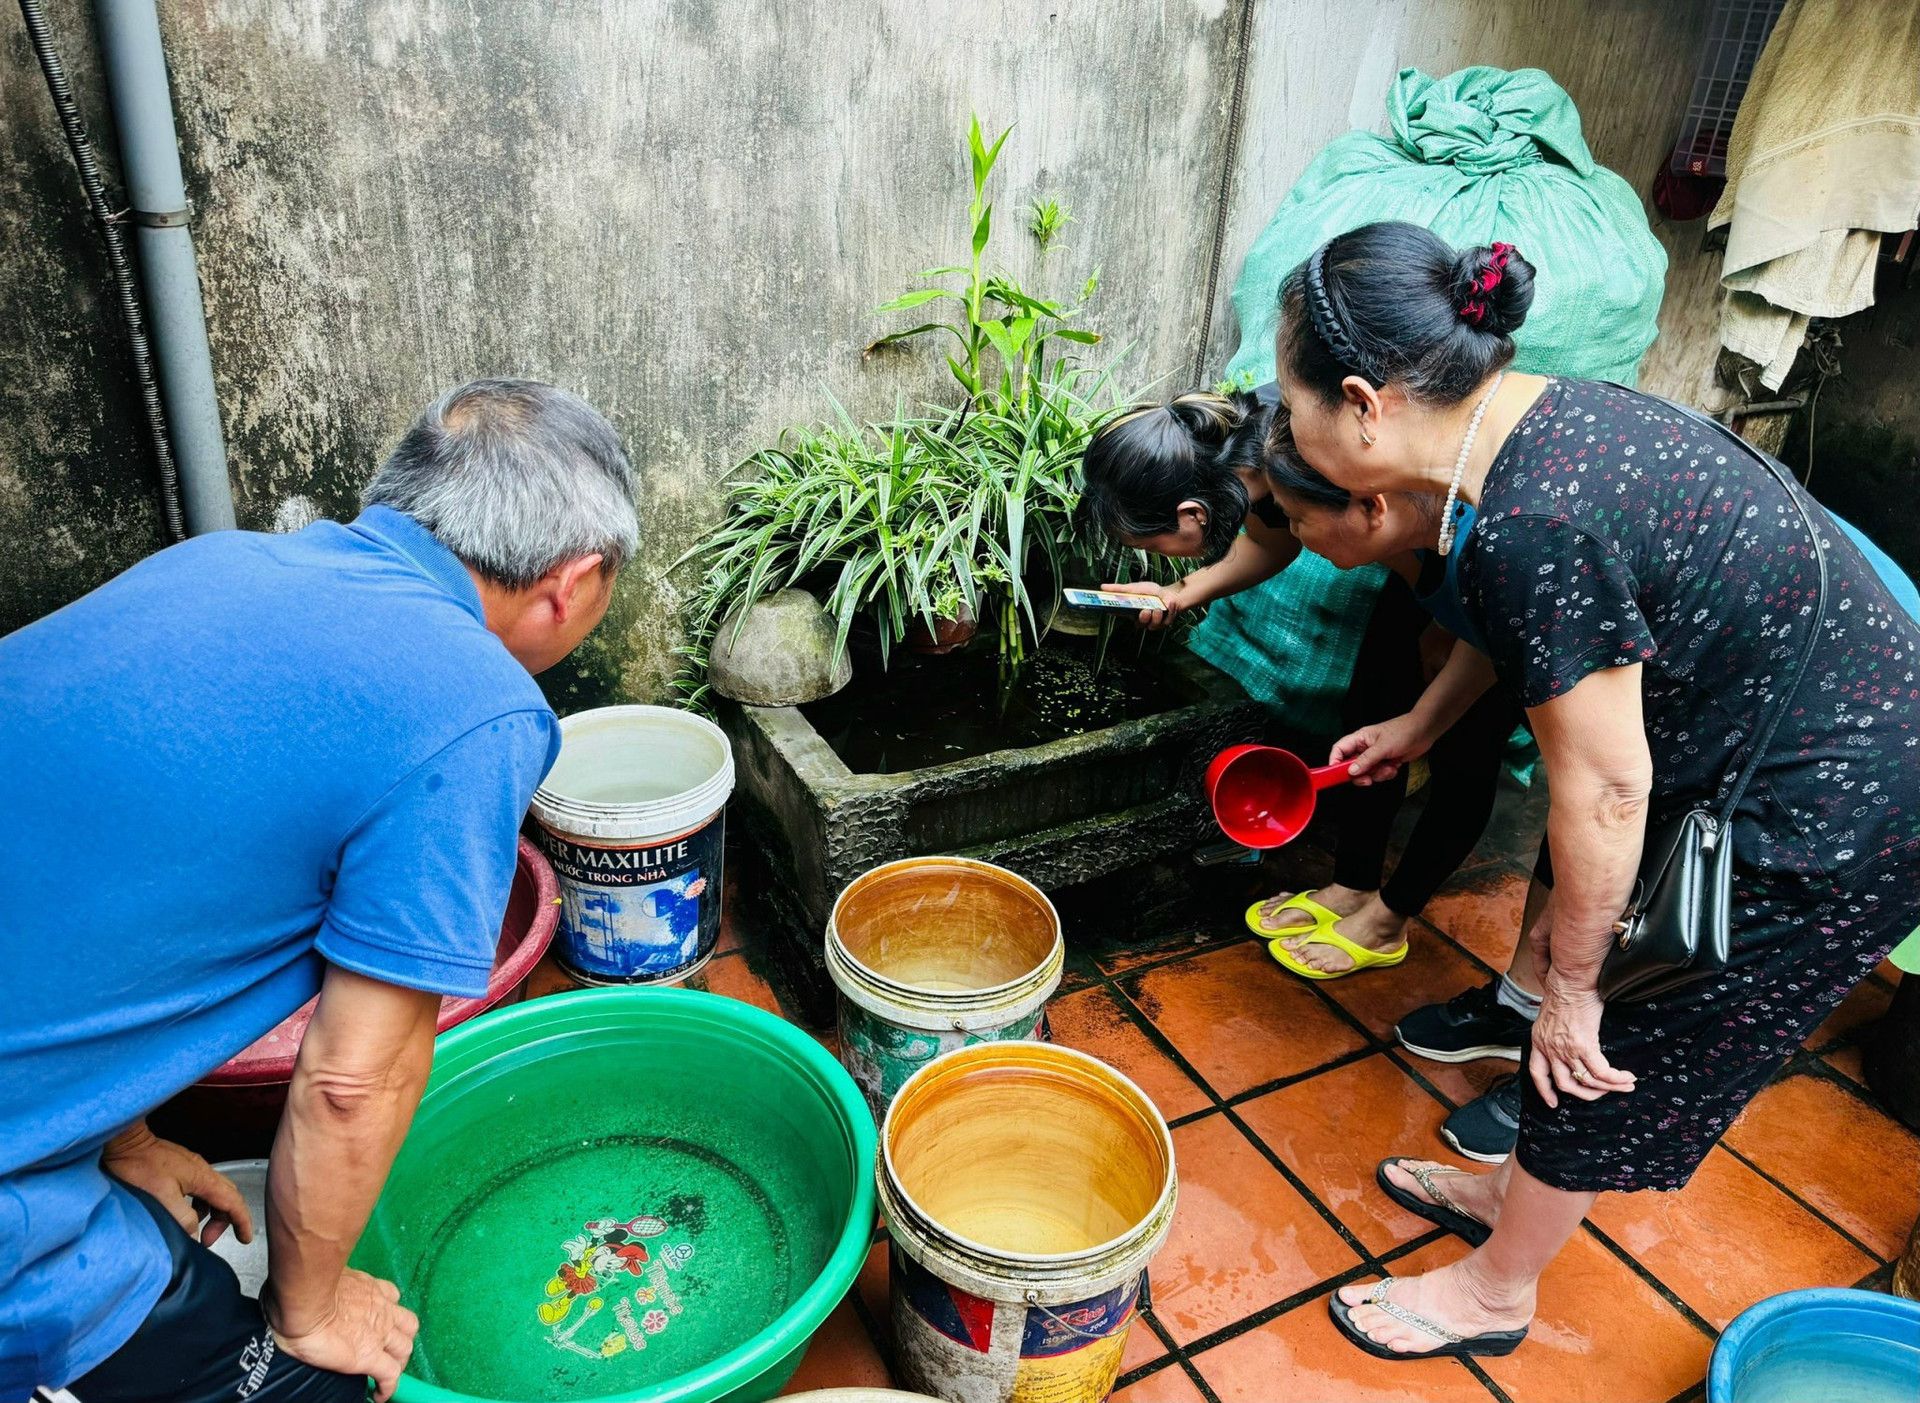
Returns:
(76, 498)
(684, 212)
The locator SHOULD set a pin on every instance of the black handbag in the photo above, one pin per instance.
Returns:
(1678, 926)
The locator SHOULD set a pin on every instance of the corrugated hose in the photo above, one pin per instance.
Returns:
(112, 232)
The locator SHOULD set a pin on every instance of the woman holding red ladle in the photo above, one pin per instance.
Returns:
(1263, 796)
(1654, 594)
(1188, 480)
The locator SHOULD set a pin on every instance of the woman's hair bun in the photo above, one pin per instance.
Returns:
(1209, 417)
(1492, 288)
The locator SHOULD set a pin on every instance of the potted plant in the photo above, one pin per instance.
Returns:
(953, 624)
(935, 523)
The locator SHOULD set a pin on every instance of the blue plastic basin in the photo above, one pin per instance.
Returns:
(1825, 1345)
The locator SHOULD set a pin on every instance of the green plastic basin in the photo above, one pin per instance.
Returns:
(649, 1195)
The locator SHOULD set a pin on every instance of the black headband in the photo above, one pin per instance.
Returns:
(1327, 323)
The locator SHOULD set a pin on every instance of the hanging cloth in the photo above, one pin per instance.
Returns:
(1824, 158)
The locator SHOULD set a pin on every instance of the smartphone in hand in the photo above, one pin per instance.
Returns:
(1111, 599)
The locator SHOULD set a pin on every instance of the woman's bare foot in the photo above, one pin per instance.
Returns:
(1279, 913)
(1476, 1195)
(1371, 924)
(1453, 1297)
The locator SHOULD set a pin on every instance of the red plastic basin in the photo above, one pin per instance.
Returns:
(532, 912)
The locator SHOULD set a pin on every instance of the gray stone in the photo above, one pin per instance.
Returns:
(1057, 814)
(782, 655)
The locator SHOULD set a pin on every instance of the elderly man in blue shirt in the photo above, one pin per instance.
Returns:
(251, 769)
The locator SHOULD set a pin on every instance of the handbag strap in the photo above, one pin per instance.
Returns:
(1763, 737)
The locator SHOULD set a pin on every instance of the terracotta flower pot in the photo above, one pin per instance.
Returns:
(945, 635)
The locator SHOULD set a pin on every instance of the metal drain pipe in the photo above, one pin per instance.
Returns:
(136, 73)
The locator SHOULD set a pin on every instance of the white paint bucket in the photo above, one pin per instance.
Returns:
(1025, 1188)
(633, 819)
(248, 1259)
(934, 953)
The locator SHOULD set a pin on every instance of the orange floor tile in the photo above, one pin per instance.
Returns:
(1814, 1185)
(1303, 1348)
(1095, 1022)
(842, 1354)
(1460, 1082)
(1602, 1333)
(1168, 1385)
(1847, 1061)
(1837, 1152)
(1333, 1129)
(1728, 1239)
(1244, 1238)
(1435, 968)
(1240, 1020)
(1145, 1348)
(1481, 909)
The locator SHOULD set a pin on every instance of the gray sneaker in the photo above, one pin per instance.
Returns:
(1486, 1129)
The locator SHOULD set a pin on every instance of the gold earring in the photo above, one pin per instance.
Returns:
(1367, 440)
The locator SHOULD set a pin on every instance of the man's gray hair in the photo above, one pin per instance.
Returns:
(514, 477)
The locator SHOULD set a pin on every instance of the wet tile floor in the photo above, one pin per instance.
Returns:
(1283, 1095)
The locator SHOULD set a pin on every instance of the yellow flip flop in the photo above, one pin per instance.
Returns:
(1362, 957)
(1322, 918)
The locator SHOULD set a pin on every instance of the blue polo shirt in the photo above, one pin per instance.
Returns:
(247, 757)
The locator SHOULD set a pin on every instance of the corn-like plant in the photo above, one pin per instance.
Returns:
(1045, 220)
(993, 312)
(923, 515)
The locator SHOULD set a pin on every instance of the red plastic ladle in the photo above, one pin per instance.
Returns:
(1263, 796)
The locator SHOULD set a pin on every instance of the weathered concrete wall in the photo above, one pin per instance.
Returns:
(685, 211)
(76, 497)
(681, 209)
(1315, 72)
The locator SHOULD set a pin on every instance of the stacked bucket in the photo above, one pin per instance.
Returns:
(1025, 1186)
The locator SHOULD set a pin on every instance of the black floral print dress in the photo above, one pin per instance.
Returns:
(1614, 529)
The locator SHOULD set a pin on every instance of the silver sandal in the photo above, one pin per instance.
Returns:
(1441, 1211)
(1452, 1346)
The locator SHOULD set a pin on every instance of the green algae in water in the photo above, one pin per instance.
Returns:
(526, 1208)
(930, 710)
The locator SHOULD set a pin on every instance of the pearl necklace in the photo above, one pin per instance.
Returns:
(1447, 522)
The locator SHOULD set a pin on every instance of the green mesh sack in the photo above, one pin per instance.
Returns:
(1482, 154)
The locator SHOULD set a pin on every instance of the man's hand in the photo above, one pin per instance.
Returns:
(1169, 595)
(355, 1084)
(367, 1331)
(185, 1184)
(1374, 754)
(1566, 1053)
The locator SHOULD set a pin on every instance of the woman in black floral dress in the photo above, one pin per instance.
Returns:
(1644, 586)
